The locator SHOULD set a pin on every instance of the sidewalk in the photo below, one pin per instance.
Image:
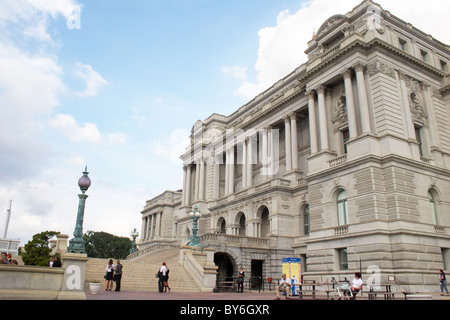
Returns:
(206, 296)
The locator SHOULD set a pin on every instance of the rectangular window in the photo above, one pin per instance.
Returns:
(402, 44)
(419, 139)
(343, 259)
(346, 137)
(444, 253)
(424, 55)
(443, 65)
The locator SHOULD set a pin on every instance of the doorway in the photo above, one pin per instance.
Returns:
(256, 278)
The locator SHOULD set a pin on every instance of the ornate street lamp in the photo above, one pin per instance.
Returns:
(194, 240)
(77, 244)
(134, 235)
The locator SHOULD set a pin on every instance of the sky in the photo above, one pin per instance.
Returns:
(117, 86)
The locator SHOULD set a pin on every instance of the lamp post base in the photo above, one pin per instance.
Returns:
(77, 245)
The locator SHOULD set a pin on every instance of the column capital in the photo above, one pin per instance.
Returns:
(321, 89)
(347, 73)
(359, 67)
(293, 115)
(311, 94)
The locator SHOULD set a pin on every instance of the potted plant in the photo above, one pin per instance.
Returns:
(95, 286)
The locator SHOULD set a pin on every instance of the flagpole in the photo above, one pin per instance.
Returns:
(8, 215)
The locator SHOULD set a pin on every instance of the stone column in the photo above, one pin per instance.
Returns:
(263, 156)
(183, 198)
(351, 114)
(227, 170)
(244, 164)
(231, 170)
(188, 186)
(362, 96)
(287, 130)
(201, 187)
(312, 122)
(197, 180)
(323, 127)
(294, 141)
(249, 162)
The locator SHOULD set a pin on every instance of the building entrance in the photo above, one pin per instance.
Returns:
(225, 267)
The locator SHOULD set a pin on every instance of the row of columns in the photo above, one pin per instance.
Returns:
(291, 144)
(351, 111)
(151, 226)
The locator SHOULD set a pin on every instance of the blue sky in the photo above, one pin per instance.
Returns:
(121, 93)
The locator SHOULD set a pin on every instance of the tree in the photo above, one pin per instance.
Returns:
(37, 251)
(105, 245)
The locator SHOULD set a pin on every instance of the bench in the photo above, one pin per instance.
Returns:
(307, 288)
(226, 286)
(387, 294)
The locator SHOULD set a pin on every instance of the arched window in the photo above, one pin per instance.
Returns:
(265, 223)
(433, 206)
(306, 221)
(242, 228)
(222, 225)
(342, 208)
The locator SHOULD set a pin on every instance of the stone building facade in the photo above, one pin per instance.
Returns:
(345, 163)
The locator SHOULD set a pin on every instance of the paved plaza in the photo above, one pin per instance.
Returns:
(202, 296)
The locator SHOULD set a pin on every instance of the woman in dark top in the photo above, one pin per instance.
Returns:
(443, 281)
(118, 275)
(240, 280)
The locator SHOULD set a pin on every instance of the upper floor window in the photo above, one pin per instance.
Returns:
(443, 66)
(342, 208)
(424, 55)
(402, 44)
(306, 221)
(433, 207)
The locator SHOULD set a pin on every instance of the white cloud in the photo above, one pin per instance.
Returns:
(67, 125)
(94, 81)
(281, 47)
(171, 148)
(235, 72)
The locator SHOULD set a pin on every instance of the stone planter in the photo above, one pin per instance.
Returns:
(95, 287)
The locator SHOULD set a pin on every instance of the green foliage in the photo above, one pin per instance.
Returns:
(37, 251)
(105, 245)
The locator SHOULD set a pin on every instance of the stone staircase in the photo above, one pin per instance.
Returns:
(139, 273)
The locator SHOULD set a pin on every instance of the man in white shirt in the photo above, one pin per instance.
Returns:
(162, 274)
(356, 284)
(285, 286)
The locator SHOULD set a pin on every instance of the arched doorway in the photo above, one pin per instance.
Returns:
(226, 267)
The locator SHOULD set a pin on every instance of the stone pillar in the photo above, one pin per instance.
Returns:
(294, 141)
(312, 122)
(188, 186)
(263, 154)
(231, 170)
(287, 130)
(249, 162)
(351, 113)
(323, 127)
(74, 275)
(227, 170)
(183, 198)
(244, 164)
(197, 180)
(201, 187)
(362, 96)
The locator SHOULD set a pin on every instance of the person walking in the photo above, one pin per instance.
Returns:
(166, 280)
(162, 275)
(443, 282)
(109, 275)
(240, 280)
(118, 275)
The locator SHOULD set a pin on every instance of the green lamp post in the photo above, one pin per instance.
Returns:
(77, 244)
(134, 235)
(194, 240)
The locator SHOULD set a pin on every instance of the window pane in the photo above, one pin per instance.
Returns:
(306, 221)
